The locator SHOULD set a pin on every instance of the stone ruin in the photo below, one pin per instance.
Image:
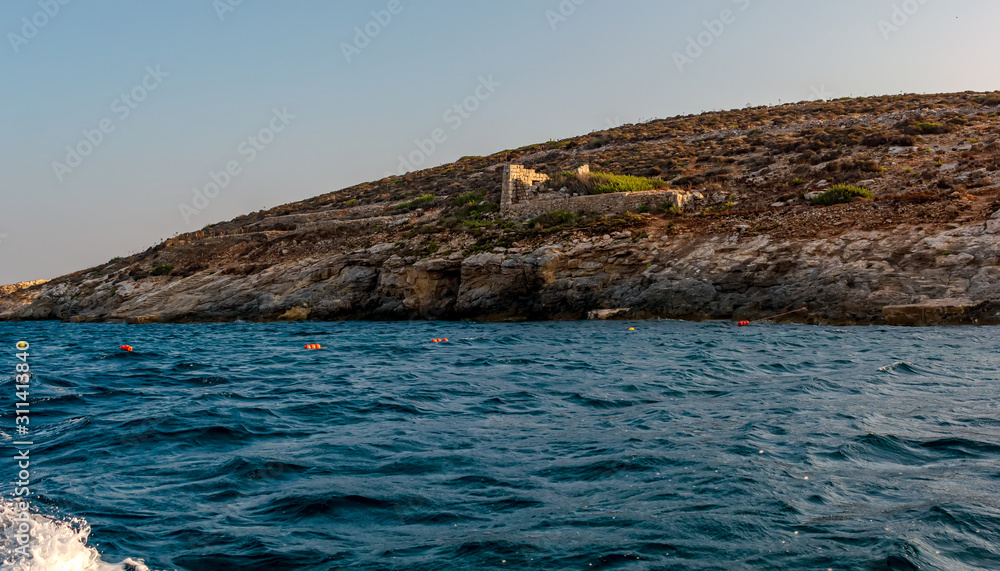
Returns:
(517, 180)
(524, 194)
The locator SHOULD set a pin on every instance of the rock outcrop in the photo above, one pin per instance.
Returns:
(898, 276)
(435, 245)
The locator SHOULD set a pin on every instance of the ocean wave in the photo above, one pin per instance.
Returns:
(51, 544)
(522, 446)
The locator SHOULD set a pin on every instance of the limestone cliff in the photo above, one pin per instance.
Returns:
(433, 244)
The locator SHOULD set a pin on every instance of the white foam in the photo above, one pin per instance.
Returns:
(56, 545)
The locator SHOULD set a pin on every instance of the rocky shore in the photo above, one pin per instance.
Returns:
(431, 245)
(859, 277)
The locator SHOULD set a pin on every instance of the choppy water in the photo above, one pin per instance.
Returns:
(515, 446)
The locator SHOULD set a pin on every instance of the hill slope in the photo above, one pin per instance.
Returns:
(431, 244)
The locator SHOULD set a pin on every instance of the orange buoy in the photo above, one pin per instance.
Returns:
(442, 340)
(315, 346)
(126, 348)
(745, 323)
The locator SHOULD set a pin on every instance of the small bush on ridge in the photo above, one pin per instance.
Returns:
(842, 194)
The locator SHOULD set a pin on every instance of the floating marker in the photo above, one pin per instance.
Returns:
(444, 340)
(745, 323)
(631, 328)
(315, 346)
(126, 348)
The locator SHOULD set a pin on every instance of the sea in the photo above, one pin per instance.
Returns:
(549, 445)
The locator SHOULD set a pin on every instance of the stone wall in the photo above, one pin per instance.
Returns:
(520, 197)
(517, 179)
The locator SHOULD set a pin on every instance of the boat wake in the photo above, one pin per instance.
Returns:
(54, 545)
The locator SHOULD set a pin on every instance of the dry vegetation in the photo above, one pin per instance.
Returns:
(928, 160)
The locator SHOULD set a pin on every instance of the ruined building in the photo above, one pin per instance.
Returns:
(524, 194)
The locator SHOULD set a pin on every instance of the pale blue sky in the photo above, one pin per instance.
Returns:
(606, 62)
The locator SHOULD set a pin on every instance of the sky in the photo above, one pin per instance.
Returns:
(125, 122)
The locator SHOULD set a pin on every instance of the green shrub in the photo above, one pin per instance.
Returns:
(553, 218)
(605, 183)
(798, 181)
(468, 198)
(841, 194)
(573, 183)
(416, 202)
(668, 207)
(643, 209)
(597, 143)
(598, 182)
(472, 206)
(161, 270)
(429, 250)
(929, 129)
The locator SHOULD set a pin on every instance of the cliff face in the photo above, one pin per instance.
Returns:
(847, 279)
(431, 245)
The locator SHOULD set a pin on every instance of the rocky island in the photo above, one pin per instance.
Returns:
(879, 210)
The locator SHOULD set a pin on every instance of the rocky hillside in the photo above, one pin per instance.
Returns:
(432, 244)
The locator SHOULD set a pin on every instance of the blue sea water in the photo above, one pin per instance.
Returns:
(512, 446)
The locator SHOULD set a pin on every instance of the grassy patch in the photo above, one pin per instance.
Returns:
(842, 194)
(599, 182)
(926, 128)
(571, 182)
(467, 199)
(553, 219)
(488, 243)
(669, 208)
(722, 209)
(416, 202)
(605, 183)
(472, 209)
(561, 220)
(161, 270)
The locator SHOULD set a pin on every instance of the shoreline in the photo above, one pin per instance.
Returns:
(912, 242)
